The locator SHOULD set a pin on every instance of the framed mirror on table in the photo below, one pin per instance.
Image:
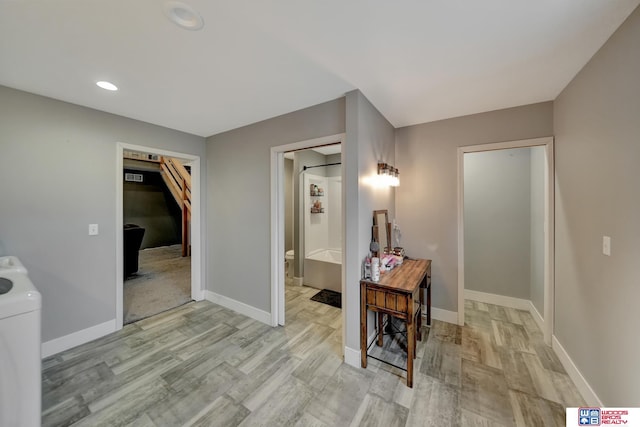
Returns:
(382, 231)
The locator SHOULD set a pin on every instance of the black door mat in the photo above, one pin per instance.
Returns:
(329, 297)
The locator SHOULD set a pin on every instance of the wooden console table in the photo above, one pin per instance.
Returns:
(398, 293)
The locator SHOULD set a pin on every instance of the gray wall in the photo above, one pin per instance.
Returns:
(60, 161)
(239, 169)
(597, 128)
(238, 164)
(151, 205)
(426, 201)
(538, 171)
(370, 138)
(497, 222)
(335, 170)
(288, 204)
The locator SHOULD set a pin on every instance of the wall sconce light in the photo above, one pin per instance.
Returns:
(388, 175)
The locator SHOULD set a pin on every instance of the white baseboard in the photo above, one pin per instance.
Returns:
(75, 339)
(298, 281)
(581, 383)
(443, 315)
(240, 307)
(536, 315)
(352, 357)
(517, 303)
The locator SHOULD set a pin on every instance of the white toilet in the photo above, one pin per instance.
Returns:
(288, 259)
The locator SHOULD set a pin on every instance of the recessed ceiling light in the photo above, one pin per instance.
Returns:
(183, 15)
(107, 85)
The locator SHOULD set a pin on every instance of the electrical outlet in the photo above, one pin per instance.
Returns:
(93, 229)
(606, 245)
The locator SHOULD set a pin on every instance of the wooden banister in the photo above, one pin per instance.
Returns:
(178, 180)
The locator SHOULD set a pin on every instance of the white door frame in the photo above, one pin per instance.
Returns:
(196, 240)
(549, 220)
(277, 224)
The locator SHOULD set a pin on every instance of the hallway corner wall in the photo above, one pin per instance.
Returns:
(597, 150)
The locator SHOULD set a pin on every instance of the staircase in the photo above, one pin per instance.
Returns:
(178, 180)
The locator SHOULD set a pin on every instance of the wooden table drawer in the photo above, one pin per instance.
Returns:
(387, 300)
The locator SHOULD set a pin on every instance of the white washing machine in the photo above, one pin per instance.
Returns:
(20, 358)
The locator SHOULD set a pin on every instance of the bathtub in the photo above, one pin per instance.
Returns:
(323, 269)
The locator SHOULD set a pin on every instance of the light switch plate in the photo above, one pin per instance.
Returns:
(93, 229)
(606, 245)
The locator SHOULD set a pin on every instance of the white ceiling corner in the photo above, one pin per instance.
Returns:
(417, 61)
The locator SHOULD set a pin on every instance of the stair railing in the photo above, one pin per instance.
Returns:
(178, 180)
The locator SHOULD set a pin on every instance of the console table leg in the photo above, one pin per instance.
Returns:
(363, 326)
(380, 331)
(429, 305)
(410, 350)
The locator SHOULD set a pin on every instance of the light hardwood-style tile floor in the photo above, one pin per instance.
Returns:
(203, 365)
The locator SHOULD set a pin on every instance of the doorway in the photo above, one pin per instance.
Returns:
(172, 252)
(156, 214)
(505, 227)
(278, 199)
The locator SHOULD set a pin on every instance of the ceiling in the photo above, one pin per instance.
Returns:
(415, 60)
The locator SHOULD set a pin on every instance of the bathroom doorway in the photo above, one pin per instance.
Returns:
(313, 225)
(308, 229)
(159, 248)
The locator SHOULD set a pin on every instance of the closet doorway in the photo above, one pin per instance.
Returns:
(505, 227)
